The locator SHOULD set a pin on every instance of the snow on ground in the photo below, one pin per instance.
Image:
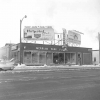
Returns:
(23, 66)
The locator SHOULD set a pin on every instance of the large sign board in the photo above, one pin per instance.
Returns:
(39, 33)
(73, 37)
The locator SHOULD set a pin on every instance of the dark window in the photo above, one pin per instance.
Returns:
(58, 36)
(94, 59)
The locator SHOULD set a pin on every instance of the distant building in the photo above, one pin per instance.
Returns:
(5, 52)
(95, 56)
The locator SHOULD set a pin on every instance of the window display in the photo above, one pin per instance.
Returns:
(67, 58)
(56, 58)
(42, 57)
(61, 58)
(35, 57)
(48, 58)
(27, 57)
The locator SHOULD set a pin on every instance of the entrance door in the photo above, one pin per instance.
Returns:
(79, 56)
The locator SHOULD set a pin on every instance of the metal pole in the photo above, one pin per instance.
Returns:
(20, 40)
(99, 46)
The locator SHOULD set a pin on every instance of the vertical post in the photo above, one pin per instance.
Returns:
(20, 41)
(99, 46)
(64, 58)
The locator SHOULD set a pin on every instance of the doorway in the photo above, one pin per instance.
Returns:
(79, 56)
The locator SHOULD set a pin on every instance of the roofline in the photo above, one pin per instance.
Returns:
(95, 50)
(77, 32)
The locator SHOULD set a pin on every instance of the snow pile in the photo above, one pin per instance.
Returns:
(20, 66)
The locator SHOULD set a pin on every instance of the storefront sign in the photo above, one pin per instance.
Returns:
(39, 33)
(51, 49)
(73, 37)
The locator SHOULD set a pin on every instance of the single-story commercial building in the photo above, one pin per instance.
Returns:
(39, 54)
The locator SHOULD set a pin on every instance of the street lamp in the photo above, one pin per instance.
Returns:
(20, 35)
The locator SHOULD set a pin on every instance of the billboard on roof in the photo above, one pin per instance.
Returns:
(73, 37)
(39, 33)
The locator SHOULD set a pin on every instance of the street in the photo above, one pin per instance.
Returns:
(50, 85)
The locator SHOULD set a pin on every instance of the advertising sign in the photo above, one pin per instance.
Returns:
(64, 36)
(14, 47)
(73, 37)
(39, 33)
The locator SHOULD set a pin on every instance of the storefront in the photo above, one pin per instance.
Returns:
(40, 54)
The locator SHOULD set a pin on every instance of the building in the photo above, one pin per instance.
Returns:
(5, 51)
(95, 56)
(40, 54)
(48, 47)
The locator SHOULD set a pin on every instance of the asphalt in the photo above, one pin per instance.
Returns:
(50, 85)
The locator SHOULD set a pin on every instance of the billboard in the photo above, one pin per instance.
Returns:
(39, 33)
(73, 37)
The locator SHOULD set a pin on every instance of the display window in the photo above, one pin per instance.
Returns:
(35, 58)
(42, 57)
(73, 58)
(61, 58)
(27, 57)
(56, 58)
(70, 58)
(49, 58)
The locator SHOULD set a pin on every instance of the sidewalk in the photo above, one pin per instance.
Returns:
(55, 66)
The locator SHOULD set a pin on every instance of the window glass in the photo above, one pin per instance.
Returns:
(48, 58)
(42, 57)
(61, 58)
(27, 57)
(35, 57)
(55, 58)
(67, 57)
(73, 58)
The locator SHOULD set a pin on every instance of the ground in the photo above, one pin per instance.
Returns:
(82, 84)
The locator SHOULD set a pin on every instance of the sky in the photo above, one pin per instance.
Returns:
(80, 15)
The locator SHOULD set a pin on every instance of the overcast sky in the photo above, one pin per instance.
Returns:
(80, 15)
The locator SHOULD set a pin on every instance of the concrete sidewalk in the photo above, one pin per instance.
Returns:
(59, 66)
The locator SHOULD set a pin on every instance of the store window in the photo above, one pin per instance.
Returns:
(27, 57)
(67, 58)
(14, 55)
(61, 58)
(35, 57)
(73, 58)
(42, 57)
(48, 58)
(56, 58)
(70, 58)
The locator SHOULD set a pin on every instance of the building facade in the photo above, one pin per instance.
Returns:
(40, 54)
(5, 52)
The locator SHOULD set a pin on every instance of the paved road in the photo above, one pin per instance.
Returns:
(50, 85)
